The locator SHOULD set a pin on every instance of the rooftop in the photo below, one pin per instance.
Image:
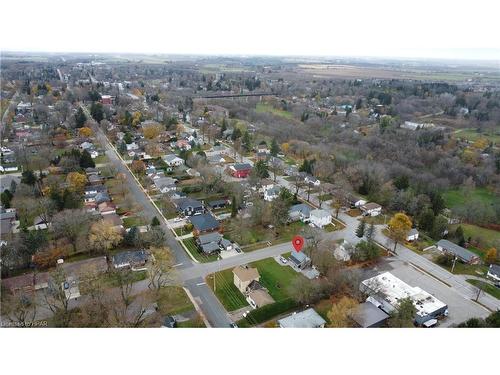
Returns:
(246, 273)
(305, 319)
(368, 315)
(204, 222)
(459, 251)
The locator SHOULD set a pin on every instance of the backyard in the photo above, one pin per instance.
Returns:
(456, 198)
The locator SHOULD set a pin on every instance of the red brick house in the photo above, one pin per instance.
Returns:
(240, 170)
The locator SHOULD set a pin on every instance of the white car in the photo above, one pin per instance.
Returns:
(177, 219)
(283, 260)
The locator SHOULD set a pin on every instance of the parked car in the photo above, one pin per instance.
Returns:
(283, 259)
(177, 219)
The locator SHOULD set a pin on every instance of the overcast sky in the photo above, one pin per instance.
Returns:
(382, 28)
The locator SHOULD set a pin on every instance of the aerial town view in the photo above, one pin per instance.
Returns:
(247, 190)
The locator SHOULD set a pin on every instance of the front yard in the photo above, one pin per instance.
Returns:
(195, 252)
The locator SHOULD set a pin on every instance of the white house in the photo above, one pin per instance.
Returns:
(272, 193)
(412, 235)
(165, 184)
(312, 180)
(494, 272)
(371, 209)
(320, 218)
(173, 160)
(132, 146)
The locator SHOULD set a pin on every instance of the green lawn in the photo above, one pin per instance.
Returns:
(487, 237)
(275, 277)
(193, 323)
(173, 300)
(133, 221)
(454, 198)
(486, 287)
(225, 290)
(195, 252)
(472, 135)
(267, 108)
(101, 159)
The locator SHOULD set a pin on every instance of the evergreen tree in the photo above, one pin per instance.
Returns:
(246, 141)
(86, 160)
(360, 231)
(155, 222)
(80, 118)
(275, 149)
(459, 235)
(28, 178)
(234, 207)
(370, 232)
(97, 112)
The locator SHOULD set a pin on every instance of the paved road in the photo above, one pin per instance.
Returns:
(207, 302)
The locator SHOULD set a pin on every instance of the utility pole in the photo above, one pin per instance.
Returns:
(454, 262)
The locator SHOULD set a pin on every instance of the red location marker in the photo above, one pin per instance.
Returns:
(298, 243)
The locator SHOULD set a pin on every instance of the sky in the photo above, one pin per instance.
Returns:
(368, 28)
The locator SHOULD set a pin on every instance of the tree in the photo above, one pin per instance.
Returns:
(155, 222)
(85, 132)
(336, 205)
(103, 236)
(86, 160)
(160, 268)
(491, 255)
(246, 141)
(96, 111)
(398, 227)
(152, 131)
(459, 235)
(260, 169)
(275, 149)
(404, 315)
(365, 251)
(426, 220)
(72, 224)
(55, 298)
(279, 213)
(80, 118)
(340, 313)
(360, 231)
(155, 236)
(138, 167)
(5, 198)
(28, 178)
(440, 227)
(76, 181)
(234, 207)
(370, 232)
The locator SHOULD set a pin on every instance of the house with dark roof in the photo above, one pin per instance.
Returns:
(189, 206)
(299, 259)
(367, 315)
(299, 212)
(494, 272)
(240, 170)
(135, 259)
(462, 254)
(204, 223)
(216, 204)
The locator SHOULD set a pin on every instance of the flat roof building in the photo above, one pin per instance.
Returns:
(386, 291)
(305, 319)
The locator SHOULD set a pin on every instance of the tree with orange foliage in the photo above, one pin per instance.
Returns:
(138, 167)
(491, 255)
(76, 181)
(85, 132)
(152, 131)
(48, 258)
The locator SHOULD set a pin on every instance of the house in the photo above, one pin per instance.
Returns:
(354, 201)
(494, 272)
(259, 297)
(343, 251)
(28, 282)
(189, 206)
(217, 204)
(40, 222)
(299, 212)
(95, 179)
(204, 223)
(243, 276)
(183, 144)
(193, 172)
(95, 189)
(7, 219)
(92, 171)
(272, 193)
(209, 243)
(240, 170)
(102, 197)
(412, 235)
(308, 179)
(165, 184)
(300, 260)
(261, 156)
(106, 208)
(462, 254)
(135, 259)
(305, 319)
(320, 218)
(263, 148)
(132, 146)
(216, 159)
(385, 291)
(367, 315)
(371, 209)
(173, 160)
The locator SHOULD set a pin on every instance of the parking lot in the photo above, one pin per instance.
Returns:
(459, 307)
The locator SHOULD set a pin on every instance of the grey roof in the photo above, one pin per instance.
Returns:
(494, 269)
(204, 222)
(320, 213)
(209, 237)
(185, 203)
(412, 232)
(217, 202)
(368, 315)
(102, 197)
(300, 208)
(164, 181)
(225, 243)
(9, 215)
(459, 251)
(210, 247)
(242, 166)
(298, 257)
(305, 319)
(130, 257)
(171, 158)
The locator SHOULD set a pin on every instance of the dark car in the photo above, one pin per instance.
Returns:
(169, 322)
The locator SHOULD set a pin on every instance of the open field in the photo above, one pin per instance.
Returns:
(486, 237)
(472, 135)
(454, 198)
(262, 107)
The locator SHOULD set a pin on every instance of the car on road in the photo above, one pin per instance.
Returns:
(233, 325)
(283, 259)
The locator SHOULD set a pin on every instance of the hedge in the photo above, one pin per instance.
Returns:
(268, 312)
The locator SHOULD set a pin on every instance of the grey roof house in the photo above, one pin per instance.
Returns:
(204, 223)
(462, 254)
(305, 319)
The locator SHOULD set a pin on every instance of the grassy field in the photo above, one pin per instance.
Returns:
(173, 300)
(263, 107)
(195, 252)
(454, 198)
(225, 290)
(275, 277)
(485, 237)
(472, 135)
(487, 288)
